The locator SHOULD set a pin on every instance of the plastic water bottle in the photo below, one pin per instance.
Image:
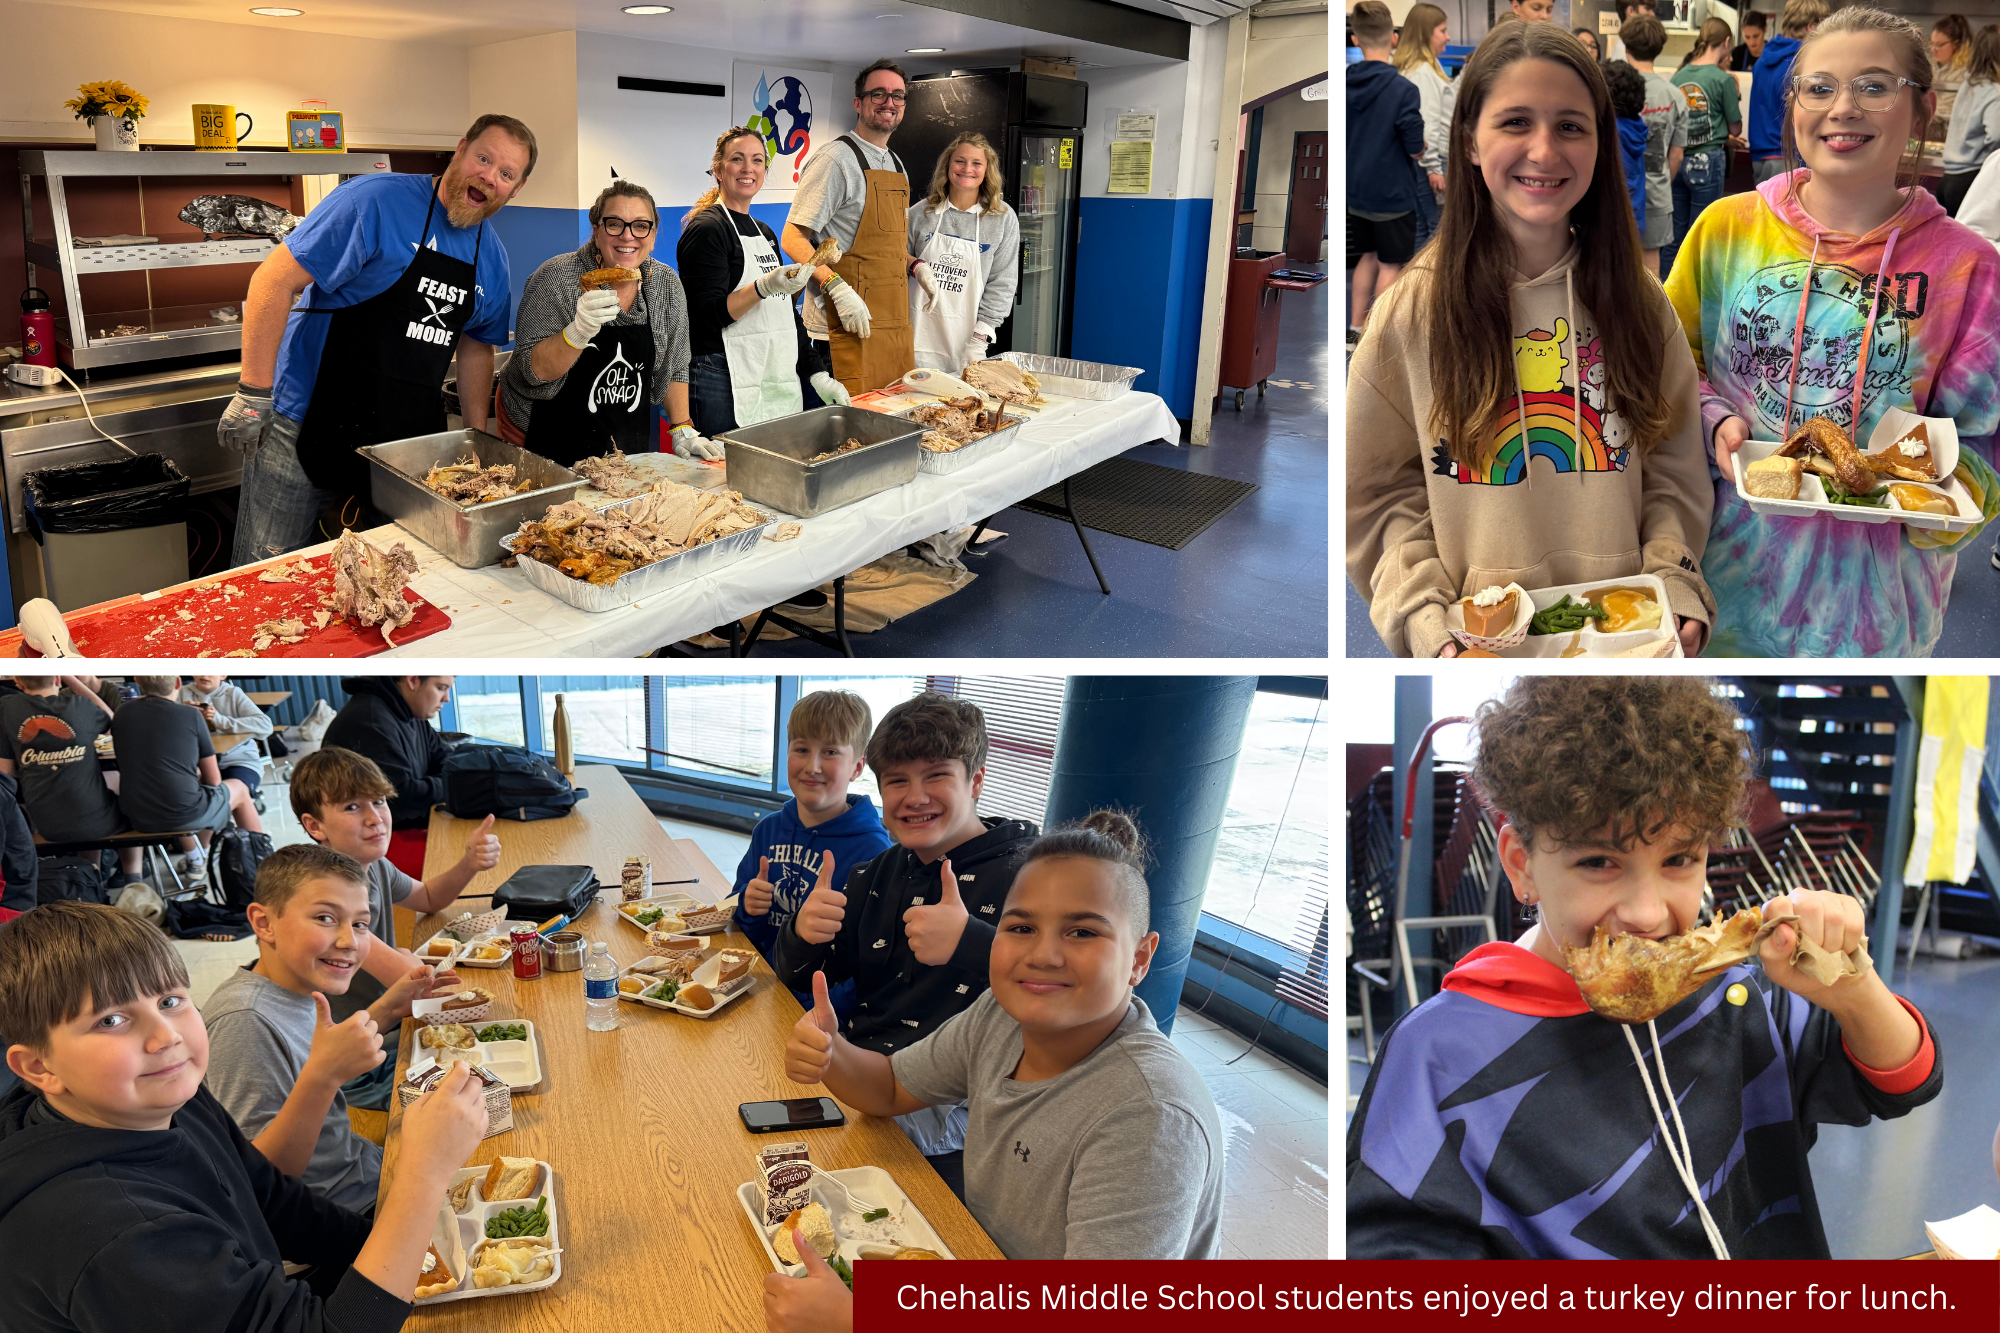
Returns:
(600, 989)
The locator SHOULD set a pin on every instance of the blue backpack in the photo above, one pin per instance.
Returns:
(507, 781)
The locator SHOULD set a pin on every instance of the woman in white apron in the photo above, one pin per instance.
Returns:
(967, 248)
(750, 357)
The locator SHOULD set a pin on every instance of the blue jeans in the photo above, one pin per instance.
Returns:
(280, 504)
(1696, 185)
(1428, 211)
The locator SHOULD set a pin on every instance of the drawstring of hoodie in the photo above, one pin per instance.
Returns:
(1683, 1160)
(1867, 333)
(1575, 346)
(1521, 406)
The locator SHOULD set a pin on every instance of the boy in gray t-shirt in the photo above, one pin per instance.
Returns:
(1090, 1135)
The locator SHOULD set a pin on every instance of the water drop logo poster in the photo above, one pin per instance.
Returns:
(794, 110)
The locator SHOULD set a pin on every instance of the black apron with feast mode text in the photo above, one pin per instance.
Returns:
(382, 371)
(604, 400)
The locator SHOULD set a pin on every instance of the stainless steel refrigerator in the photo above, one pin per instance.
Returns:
(1036, 124)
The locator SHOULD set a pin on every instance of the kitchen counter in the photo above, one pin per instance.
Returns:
(18, 398)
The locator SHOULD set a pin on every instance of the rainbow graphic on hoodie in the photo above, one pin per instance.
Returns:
(1542, 421)
(1819, 586)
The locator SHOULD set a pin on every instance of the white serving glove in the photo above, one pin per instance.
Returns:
(593, 311)
(975, 348)
(245, 419)
(847, 302)
(830, 390)
(787, 281)
(922, 273)
(691, 443)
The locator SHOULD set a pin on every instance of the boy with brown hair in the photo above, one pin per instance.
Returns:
(826, 745)
(914, 928)
(278, 1059)
(1504, 1119)
(130, 1199)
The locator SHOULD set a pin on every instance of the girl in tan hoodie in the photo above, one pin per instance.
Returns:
(1499, 431)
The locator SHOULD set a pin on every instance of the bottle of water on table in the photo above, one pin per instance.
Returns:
(600, 989)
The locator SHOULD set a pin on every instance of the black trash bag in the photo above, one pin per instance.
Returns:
(81, 878)
(117, 495)
(199, 919)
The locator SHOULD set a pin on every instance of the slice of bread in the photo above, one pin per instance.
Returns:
(1773, 478)
(511, 1178)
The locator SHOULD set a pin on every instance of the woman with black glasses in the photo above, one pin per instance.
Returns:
(596, 351)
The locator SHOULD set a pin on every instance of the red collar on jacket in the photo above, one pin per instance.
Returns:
(1509, 977)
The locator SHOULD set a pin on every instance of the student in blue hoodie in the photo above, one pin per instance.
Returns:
(1385, 142)
(1628, 102)
(1771, 80)
(826, 747)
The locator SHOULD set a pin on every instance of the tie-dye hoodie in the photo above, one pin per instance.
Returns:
(1559, 496)
(1823, 587)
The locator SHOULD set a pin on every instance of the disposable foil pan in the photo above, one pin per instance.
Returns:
(1075, 379)
(646, 579)
(463, 534)
(978, 451)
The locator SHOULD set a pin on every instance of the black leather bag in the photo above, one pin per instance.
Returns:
(540, 892)
(506, 781)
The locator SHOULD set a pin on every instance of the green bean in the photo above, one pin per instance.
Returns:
(1840, 495)
(520, 1222)
(839, 1265)
(504, 1032)
(1565, 616)
(875, 1216)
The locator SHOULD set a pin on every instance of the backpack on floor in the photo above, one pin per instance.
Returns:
(506, 781)
(71, 879)
(233, 860)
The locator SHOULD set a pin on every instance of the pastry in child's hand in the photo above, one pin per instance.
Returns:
(1773, 478)
(810, 1223)
(1490, 611)
(468, 999)
(1910, 458)
(436, 1278)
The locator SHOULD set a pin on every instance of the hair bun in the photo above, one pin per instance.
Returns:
(1115, 825)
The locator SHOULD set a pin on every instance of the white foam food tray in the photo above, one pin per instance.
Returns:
(506, 959)
(905, 1226)
(677, 902)
(459, 1236)
(1590, 639)
(1894, 425)
(705, 975)
(518, 1064)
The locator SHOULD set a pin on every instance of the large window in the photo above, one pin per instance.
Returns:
(489, 707)
(722, 726)
(1274, 832)
(881, 693)
(607, 716)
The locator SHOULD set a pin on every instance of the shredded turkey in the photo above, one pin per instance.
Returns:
(368, 584)
(945, 420)
(847, 447)
(1003, 379)
(600, 547)
(466, 482)
(612, 473)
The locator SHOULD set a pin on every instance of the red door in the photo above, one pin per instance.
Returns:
(1305, 225)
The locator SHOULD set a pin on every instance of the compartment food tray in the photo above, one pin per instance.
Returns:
(1812, 498)
(978, 451)
(1594, 643)
(872, 1183)
(465, 958)
(643, 581)
(767, 462)
(676, 902)
(703, 976)
(1065, 378)
(469, 1228)
(518, 1064)
(464, 534)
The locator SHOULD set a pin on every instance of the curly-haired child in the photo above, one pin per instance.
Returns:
(1503, 1119)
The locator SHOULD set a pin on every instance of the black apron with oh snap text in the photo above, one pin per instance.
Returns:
(604, 400)
(382, 371)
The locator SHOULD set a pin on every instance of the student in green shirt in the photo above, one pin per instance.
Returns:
(1714, 118)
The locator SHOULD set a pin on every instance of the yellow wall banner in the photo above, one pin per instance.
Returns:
(1944, 839)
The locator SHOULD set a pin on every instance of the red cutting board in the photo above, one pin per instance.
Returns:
(223, 621)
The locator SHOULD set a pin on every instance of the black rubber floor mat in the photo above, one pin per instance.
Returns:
(1164, 506)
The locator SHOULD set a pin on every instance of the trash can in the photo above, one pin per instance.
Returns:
(108, 529)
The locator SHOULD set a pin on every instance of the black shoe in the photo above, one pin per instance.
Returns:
(1996, 555)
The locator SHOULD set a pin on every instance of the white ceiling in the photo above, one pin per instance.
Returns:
(837, 31)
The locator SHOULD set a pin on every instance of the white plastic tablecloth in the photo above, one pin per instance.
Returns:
(496, 612)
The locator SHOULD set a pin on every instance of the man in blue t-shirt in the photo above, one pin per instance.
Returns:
(398, 273)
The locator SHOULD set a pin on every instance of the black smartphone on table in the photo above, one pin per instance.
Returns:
(796, 1113)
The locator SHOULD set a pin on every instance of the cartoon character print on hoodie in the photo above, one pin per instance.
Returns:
(1558, 493)
(1502, 1119)
(1815, 586)
(898, 999)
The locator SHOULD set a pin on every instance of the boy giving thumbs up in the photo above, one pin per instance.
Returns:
(912, 929)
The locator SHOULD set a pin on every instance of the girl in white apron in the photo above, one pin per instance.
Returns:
(750, 358)
(967, 246)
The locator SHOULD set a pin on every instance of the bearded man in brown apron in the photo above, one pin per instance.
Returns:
(853, 191)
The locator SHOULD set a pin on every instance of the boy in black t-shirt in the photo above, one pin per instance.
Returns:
(51, 751)
(169, 777)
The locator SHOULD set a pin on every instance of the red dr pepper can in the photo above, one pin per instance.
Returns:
(527, 952)
(38, 328)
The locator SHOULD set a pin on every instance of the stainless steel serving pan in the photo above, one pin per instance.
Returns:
(467, 535)
(767, 462)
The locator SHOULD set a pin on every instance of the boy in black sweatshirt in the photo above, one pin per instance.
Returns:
(129, 1198)
(914, 928)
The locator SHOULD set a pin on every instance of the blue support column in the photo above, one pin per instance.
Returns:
(781, 740)
(1163, 749)
(1413, 714)
(1888, 922)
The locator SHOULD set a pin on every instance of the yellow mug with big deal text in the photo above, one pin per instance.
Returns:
(215, 127)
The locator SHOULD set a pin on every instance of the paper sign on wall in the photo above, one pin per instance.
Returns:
(794, 110)
(1131, 168)
(1608, 22)
(1135, 126)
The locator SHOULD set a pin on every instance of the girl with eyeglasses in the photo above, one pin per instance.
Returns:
(1840, 289)
(590, 366)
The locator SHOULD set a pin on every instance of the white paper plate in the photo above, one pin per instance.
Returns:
(470, 1229)
(872, 1183)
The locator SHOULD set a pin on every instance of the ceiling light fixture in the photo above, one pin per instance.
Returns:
(648, 10)
(272, 12)
(923, 50)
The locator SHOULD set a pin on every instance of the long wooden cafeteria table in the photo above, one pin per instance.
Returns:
(640, 1124)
